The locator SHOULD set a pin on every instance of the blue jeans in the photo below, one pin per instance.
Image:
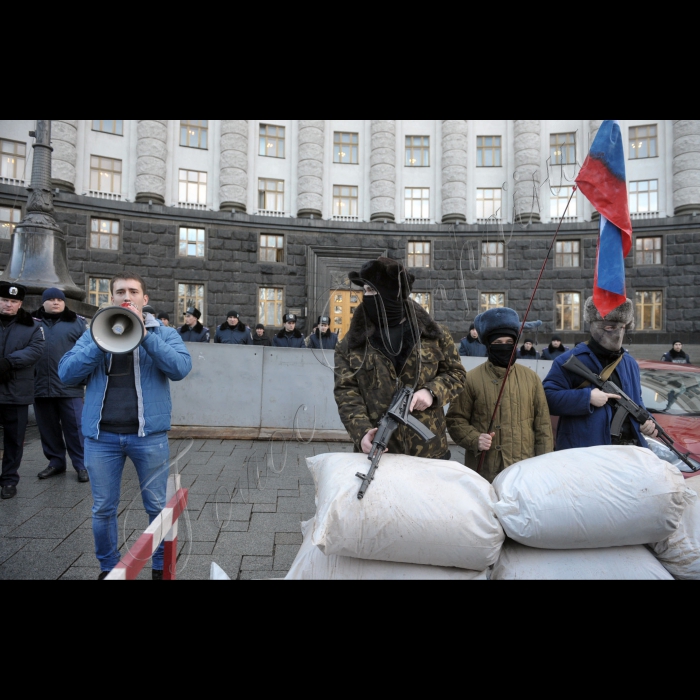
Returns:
(104, 460)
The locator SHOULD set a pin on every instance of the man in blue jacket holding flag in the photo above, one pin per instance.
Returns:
(127, 414)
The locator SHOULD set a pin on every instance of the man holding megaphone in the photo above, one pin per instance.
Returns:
(127, 359)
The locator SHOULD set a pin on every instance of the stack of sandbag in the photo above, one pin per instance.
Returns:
(420, 519)
(586, 514)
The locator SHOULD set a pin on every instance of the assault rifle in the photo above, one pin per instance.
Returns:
(625, 407)
(399, 413)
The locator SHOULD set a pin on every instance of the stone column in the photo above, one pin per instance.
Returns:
(382, 175)
(527, 148)
(65, 154)
(454, 170)
(152, 154)
(310, 168)
(594, 125)
(233, 176)
(686, 166)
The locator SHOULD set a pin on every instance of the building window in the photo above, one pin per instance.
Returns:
(193, 187)
(648, 251)
(649, 306)
(422, 299)
(272, 141)
(488, 152)
(189, 295)
(109, 126)
(644, 142)
(104, 234)
(558, 201)
(346, 148)
(270, 195)
(417, 203)
(568, 311)
(99, 293)
(493, 254)
(418, 151)
(194, 133)
(488, 203)
(9, 218)
(644, 196)
(345, 200)
(271, 306)
(568, 254)
(105, 175)
(418, 254)
(191, 242)
(271, 248)
(562, 149)
(492, 300)
(14, 159)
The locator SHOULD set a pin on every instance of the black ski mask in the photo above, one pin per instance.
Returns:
(375, 308)
(500, 355)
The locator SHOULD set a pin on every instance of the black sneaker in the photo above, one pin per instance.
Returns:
(8, 492)
(83, 477)
(156, 575)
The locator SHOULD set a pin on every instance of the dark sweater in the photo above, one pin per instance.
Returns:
(120, 413)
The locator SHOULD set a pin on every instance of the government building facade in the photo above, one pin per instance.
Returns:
(269, 216)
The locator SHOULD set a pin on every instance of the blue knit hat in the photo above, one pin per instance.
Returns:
(52, 293)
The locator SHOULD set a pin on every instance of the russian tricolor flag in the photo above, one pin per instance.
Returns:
(604, 182)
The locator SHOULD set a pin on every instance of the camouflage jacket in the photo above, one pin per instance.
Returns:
(366, 380)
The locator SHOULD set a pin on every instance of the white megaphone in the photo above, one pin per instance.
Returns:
(117, 329)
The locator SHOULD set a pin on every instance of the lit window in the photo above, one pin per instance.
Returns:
(562, 149)
(271, 248)
(9, 218)
(558, 199)
(644, 142)
(488, 203)
(568, 254)
(648, 251)
(194, 133)
(109, 126)
(649, 306)
(104, 234)
(270, 195)
(14, 159)
(105, 175)
(422, 299)
(346, 148)
(272, 140)
(191, 242)
(493, 254)
(193, 187)
(644, 196)
(488, 152)
(271, 305)
(188, 296)
(417, 151)
(417, 203)
(568, 311)
(345, 200)
(492, 300)
(418, 254)
(98, 291)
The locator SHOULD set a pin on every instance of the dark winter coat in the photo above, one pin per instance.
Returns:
(263, 342)
(198, 334)
(471, 347)
(532, 355)
(240, 335)
(580, 424)
(282, 341)
(317, 341)
(22, 344)
(550, 353)
(683, 359)
(61, 336)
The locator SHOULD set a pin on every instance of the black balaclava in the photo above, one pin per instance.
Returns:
(500, 355)
(389, 305)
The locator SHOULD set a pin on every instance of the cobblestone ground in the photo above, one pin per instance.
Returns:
(246, 502)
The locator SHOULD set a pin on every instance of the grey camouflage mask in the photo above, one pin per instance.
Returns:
(609, 335)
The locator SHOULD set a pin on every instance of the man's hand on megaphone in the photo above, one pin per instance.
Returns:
(136, 310)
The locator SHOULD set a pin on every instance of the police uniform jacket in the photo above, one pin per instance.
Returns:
(22, 344)
(198, 334)
(240, 335)
(281, 340)
(318, 341)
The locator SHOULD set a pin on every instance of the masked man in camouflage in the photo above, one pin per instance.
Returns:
(393, 342)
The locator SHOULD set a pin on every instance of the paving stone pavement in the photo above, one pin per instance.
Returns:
(246, 503)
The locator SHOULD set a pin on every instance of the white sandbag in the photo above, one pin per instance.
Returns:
(591, 498)
(417, 511)
(312, 564)
(520, 563)
(680, 553)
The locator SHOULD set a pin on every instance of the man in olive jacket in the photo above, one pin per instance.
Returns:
(393, 342)
(523, 427)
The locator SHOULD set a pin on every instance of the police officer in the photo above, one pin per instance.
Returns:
(289, 336)
(259, 338)
(322, 338)
(193, 331)
(21, 346)
(233, 332)
(58, 407)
